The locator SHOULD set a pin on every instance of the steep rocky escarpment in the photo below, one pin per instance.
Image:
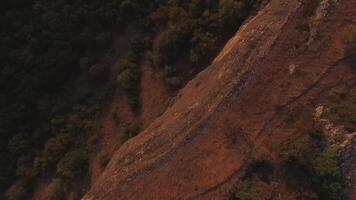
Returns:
(282, 60)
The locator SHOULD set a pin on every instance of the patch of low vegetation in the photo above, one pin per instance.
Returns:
(73, 164)
(103, 158)
(310, 165)
(129, 77)
(343, 111)
(56, 189)
(198, 27)
(247, 190)
(249, 187)
(261, 168)
(131, 131)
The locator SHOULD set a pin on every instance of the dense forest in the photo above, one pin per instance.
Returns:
(56, 76)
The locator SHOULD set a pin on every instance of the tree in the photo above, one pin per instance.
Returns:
(73, 164)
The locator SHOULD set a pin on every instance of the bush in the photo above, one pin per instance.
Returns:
(54, 149)
(56, 189)
(173, 82)
(73, 164)
(168, 45)
(73, 196)
(328, 181)
(344, 112)
(297, 150)
(129, 80)
(132, 130)
(17, 191)
(203, 46)
(103, 158)
(248, 190)
(261, 168)
(92, 143)
(312, 167)
(231, 13)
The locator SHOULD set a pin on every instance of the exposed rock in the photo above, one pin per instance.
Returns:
(202, 144)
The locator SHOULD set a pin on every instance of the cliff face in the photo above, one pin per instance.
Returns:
(284, 58)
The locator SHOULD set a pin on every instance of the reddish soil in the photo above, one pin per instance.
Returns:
(115, 122)
(154, 100)
(95, 170)
(253, 95)
(154, 97)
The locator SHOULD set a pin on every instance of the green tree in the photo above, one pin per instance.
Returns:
(73, 164)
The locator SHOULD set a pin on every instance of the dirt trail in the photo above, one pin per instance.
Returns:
(226, 115)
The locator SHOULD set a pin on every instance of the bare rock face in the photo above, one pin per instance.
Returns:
(228, 113)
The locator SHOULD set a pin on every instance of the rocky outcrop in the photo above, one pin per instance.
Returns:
(228, 113)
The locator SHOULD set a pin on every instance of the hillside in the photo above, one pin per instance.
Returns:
(80, 78)
(178, 99)
(267, 90)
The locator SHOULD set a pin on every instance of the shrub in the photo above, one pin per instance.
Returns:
(203, 46)
(73, 196)
(168, 45)
(132, 130)
(55, 149)
(138, 45)
(248, 187)
(56, 189)
(73, 164)
(343, 112)
(248, 190)
(17, 191)
(103, 158)
(231, 13)
(129, 80)
(92, 143)
(312, 167)
(328, 181)
(297, 150)
(262, 168)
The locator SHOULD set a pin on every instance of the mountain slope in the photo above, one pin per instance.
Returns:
(280, 61)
